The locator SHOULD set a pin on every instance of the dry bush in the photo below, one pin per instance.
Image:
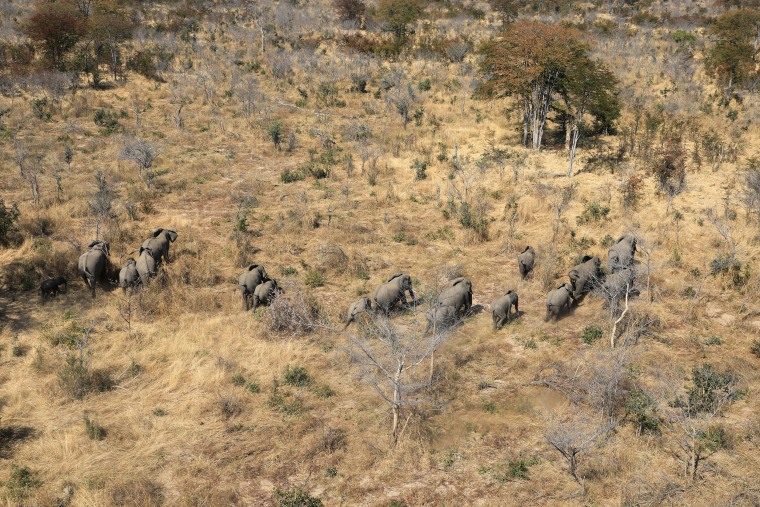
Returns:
(330, 257)
(547, 265)
(293, 313)
(41, 258)
(137, 492)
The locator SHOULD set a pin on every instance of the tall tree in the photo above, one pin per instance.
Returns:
(733, 58)
(56, 27)
(528, 61)
(398, 15)
(110, 28)
(588, 88)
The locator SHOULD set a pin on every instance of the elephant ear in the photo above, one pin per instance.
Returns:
(93, 243)
(172, 235)
(586, 258)
(510, 291)
(526, 249)
(394, 275)
(106, 247)
(157, 232)
(457, 281)
(633, 244)
(251, 267)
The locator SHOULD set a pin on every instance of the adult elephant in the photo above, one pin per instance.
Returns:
(558, 299)
(440, 318)
(146, 265)
(94, 263)
(392, 291)
(457, 294)
(525, 261)
(361, 305)
(254, 275)
(620, 255)
(159, 243)
(501, 308)
(584, 275)
(265, 293)
(128, 276)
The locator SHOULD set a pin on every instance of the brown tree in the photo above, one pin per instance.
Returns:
(528, 61)
(56, 27)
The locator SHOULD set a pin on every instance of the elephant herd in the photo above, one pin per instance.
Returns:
(452, 303)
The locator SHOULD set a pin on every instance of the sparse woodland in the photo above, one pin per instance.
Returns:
(337, 142)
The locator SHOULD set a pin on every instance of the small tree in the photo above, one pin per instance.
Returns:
(8, 218)
(575, 437)
(143, 154)
(56, 27)
(732, 59)
(398, 15)
(389, 358)
(350, 10)
(101, 203)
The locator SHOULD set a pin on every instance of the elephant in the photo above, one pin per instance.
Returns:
(584, 275)
(501, 308)
(128, 276)
(94, 263)
(525, 261)
(557, 299)
(159, 243)
(615, 284)
(363, 305)
(254, 275)
(50, 287)
(387, 294)
(146, 266)
(440, 317)
(457, 294)
(265, 293)
(620, 255)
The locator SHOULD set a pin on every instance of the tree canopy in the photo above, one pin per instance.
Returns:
(733, 57)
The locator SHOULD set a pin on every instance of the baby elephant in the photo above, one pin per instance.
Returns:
(265, 293)
(557, 299)
(525, 261)
(128, 276)
(441, 317)
(363, 305)
(501, 308)
(50, 287)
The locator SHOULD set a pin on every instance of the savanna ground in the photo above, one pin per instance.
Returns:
(177, 396)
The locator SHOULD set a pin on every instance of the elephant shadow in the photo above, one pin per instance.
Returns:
(476, 309)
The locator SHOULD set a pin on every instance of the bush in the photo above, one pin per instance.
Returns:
(289, 176)
(21, 482)
(641, 408)
(8, 218)
(350, 10)
(755, 348)
(108, 121)
(669, 166)
(296, 498)
(591, 334)
(314, 278)
(150, 62)
(594, 212)
(77, 379)
(296, 376)
(293, 313)
(275, 133)
(93, 429)
(709, 387)
(420, 169)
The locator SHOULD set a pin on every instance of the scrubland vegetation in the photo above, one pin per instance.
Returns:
(339, 142)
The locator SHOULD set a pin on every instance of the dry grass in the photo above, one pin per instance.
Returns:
(181, 431)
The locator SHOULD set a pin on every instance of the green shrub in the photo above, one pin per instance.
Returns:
(709, 388)
(41, 109)
(93, 429)
(518, 469)
(424, 85)
(275, 133)
(607, 241)
(108, 121)
(296, 376)
(594, 212)
(8, 218)
(21, 482)
(252, 387)
(591, 334)
(314, 278)
(420, 169)
(755, 348)
(238, 380)
(76, 379)
(288, 271)
(640, 407)
(291, 175)
(296, 498)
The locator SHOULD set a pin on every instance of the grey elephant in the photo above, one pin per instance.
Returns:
(392, 291)
(440, 317)
(51, 287)
(584, 275)
(458, 294)
(501, 308)
(254, 275)
(615, 285)
(557, 299)
(159, 243)
(362, 305)
(146, 265)
(128, 276)
(265, 293)
(620, 255)
(525, 261)
(94, 263)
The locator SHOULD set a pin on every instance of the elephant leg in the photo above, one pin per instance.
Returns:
(93, 287)
(495, 319)
(548, 313)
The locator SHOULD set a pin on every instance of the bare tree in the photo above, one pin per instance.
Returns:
(576, 436)
(101, 203)
(389, 358)
(30, 167)
(143, 154)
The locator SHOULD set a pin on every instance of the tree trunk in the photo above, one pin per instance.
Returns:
(573, 144)
(396, 408)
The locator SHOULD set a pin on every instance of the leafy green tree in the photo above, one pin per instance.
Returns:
(398, 15)
(588, 88)
(733, 57)
(529, 61)
(56, 27)
(110, 27)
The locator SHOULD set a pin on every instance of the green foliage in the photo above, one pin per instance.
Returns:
(284, 402)
(714, 340)
(314, 278)
(296, 498)
(238, 380)
(728, 266)
(420, 169)
(324, 391)
(732, 59)
(93, 429)
(159, 412)
(8, 218)
(77, 379)
(641, 407)
(275, 133)
(41, 109)
(398, 15)
(755, 348)
(424, 85)
(252, 387)
(591, 334)
(21, 482)
(607, 241)
(108, 121)
(148, 62)
(519, 468)
(710, 388)
(291, 175)
(713, 439)
(288, 271)
(683, 37)
(296, 376)
(594, 212)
